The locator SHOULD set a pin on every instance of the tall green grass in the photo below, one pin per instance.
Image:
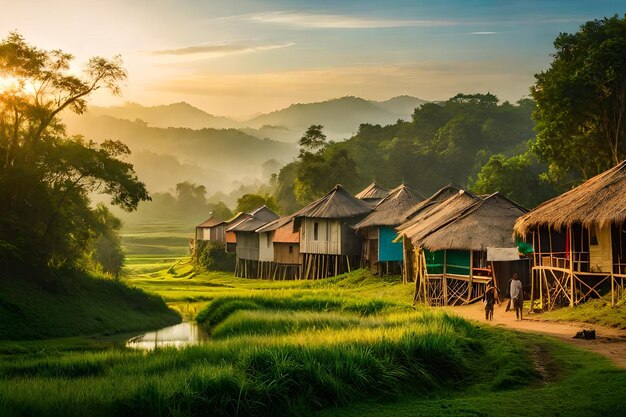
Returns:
(284, 373)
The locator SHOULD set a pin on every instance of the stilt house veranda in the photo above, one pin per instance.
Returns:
(450, 243)
(328, 242)
(579, 241)
(380, 252)
(248, 264)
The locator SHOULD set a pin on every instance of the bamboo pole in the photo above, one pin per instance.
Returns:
(571, 266)
(445, 280)
(471, 277)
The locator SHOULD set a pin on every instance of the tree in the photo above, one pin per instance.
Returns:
(250, 202)
(517, 177)
(581, 102)
(46, 177)
(105, 248)
(313, 139)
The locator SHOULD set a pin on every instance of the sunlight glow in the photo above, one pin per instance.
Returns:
(10, 83)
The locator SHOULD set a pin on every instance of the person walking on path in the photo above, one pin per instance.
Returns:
(517, 296)
(490, 298)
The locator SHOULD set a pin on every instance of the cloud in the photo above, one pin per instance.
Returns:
(335, 21)
(483, 33)
(216, 50)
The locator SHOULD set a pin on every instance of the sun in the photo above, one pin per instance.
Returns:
(10, 83)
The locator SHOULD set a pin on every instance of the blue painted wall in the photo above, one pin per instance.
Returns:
(387, 250)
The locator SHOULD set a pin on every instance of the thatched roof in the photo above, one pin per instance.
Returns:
(373, 192)
(337, 204)
(390, 211)
(258, 218)
(486, 223)
(210, 222)
(412, 214)
(600, 200)
(429, 221)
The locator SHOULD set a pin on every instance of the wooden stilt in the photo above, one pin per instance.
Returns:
(445, 279)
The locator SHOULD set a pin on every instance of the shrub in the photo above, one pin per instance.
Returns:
(211, 256)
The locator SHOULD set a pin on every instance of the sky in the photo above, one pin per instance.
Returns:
(238, 58)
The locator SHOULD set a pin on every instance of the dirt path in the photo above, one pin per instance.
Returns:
(609, 342)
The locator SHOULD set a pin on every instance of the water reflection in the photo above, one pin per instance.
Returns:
(178, 336)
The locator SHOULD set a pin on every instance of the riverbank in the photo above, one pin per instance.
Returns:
(76, 304)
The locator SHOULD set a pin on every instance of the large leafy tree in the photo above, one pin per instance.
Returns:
(581, 102)
(47, 177)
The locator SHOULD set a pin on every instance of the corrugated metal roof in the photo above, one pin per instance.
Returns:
(211, 222)
(285, 234)
(258, 218)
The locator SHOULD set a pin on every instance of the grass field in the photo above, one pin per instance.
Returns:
(343, 346)
(598, 311)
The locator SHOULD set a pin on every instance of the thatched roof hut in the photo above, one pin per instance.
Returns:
(412, 214)
(600, 201)
(337, 204)
(373, 194)
(391, 209)
(486, 223)
(429, 220)
(210, 222)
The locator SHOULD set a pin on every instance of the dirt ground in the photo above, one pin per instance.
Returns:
(609, 342)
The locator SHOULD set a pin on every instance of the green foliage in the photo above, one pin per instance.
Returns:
(250, 202)
(73, 303)
(517, 177)
(581, 104)
(443, 143)
(46, 177)
(597, 311)
(313, 139)
(211, 256)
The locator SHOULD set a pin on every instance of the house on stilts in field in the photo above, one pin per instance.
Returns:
(280, 245)
(455, 244)
(380, 252)
(373, 194)
(229, 236)
(248, 263)
(579, 241)
(329, 244)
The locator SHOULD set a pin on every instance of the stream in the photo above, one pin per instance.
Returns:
(187, 333)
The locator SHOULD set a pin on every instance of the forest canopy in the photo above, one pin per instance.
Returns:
(47, 177)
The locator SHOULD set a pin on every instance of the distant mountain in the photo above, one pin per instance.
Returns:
(163, 157)
(340, 117)
(170, 115)
(401, 105)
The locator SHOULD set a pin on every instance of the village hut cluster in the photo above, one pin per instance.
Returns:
(450, 245)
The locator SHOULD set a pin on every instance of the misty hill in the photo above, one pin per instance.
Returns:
(169, 115)
(340, 117)
(163, 157)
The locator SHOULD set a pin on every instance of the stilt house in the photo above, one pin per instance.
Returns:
(248, 264)
(579, 241)
(212, 229)
(380, 252)
(373, 194)
(328, 241)
(230, 237)
(286, 262)
(451, 242)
